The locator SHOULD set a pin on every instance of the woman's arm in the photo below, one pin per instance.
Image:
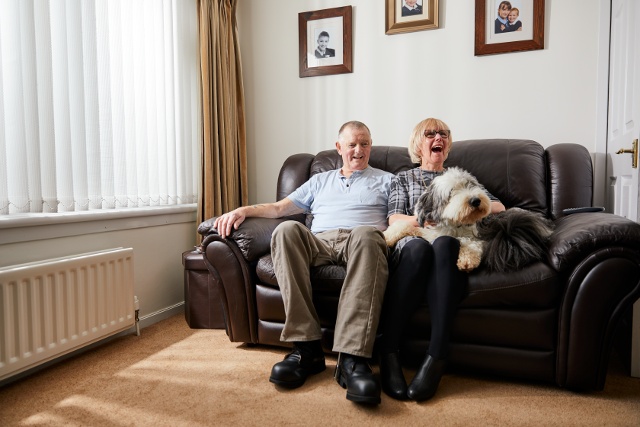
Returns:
(497, 206)
(412, 219)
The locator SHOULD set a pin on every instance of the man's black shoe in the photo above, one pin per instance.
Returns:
(354, 374)
(306, 359)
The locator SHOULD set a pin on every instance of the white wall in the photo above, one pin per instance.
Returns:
(548, 95)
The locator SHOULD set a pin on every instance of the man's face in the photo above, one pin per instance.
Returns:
(323, 41)
(355, 148)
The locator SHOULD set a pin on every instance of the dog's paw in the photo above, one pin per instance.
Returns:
(470, 255)
(467, 265)
(390, 239)
(397, 231)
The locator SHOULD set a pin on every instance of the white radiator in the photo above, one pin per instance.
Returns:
(56, 306)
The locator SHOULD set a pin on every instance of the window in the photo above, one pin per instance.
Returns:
(99, 104)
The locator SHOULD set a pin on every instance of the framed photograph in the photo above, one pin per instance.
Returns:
(509, 26)
(325, 42)
(404, 16)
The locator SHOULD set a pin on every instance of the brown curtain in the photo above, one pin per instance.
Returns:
(224, 153)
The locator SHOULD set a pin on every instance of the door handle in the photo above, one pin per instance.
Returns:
(633, 151)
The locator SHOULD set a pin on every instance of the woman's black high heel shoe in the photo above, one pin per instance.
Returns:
(392, 377)
(425, 383)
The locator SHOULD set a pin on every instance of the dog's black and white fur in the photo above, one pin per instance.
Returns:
(513, 239)
(451, 205)
(456, 205)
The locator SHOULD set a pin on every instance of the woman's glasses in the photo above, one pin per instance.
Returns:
(444, 134)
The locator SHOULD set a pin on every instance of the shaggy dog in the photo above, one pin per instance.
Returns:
(513, 239)
(456, 205)
(452, 206)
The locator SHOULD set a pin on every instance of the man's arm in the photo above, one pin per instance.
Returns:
(225, 222)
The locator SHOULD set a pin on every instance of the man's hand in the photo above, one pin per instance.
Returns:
(224, 223)
(230, 221)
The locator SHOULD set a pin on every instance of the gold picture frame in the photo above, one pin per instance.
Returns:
(324, 42)
(399, 19)
(493, 37)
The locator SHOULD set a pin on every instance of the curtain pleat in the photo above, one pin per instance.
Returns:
(224, 157)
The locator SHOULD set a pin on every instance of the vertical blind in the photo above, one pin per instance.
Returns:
(99, 104)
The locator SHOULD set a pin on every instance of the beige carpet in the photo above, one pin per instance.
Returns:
(175, 376)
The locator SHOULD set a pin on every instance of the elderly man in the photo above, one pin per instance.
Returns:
(349, 207)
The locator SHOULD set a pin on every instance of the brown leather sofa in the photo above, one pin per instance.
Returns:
(552, 321)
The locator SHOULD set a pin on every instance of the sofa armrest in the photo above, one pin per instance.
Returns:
(578, 235)
(231, 263)
(253, 237)
(599, 254)
(206, 227)
(232, 276)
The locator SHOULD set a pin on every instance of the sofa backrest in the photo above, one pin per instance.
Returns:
(512, 170)
(519, 172)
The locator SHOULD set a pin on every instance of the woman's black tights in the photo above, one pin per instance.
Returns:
(423, 270)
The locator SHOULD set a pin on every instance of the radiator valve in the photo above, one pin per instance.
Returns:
(136, 304)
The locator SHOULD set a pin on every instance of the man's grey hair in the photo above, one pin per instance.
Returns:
(355, 125)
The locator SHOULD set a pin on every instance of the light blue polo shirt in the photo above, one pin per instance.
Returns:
(338, 202)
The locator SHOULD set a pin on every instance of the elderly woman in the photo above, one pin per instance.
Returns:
(420, 270)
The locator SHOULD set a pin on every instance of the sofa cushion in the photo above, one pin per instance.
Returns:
(326, 278)
(535, 286)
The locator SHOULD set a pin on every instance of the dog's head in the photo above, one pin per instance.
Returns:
(454, 198)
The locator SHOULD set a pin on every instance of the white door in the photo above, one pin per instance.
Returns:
(624, 127)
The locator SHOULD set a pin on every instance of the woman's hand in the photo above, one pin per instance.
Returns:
(412, 219)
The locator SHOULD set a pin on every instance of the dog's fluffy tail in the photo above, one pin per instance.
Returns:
(513, 239)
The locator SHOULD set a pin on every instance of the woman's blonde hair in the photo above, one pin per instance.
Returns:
(415, 141)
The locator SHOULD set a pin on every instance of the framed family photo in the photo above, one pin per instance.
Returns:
(509, 26)
(325, 42)
(404, 16)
